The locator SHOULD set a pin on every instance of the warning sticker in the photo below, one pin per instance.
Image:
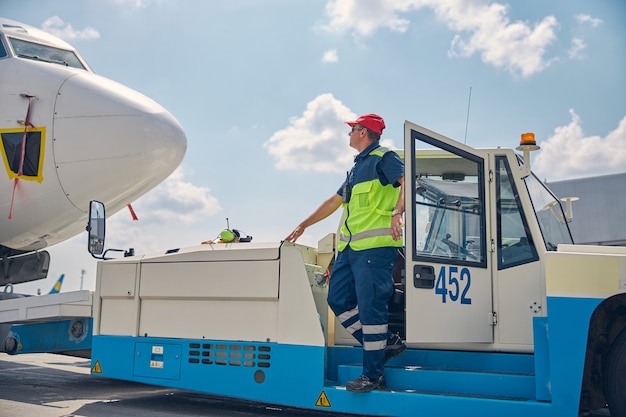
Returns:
(322, 400)
(156, 364)
(96, 369)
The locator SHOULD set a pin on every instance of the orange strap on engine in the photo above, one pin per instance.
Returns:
(20, 170)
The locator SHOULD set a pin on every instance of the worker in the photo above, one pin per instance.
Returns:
(370, 236)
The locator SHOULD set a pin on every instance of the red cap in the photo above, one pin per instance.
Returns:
(371, 121)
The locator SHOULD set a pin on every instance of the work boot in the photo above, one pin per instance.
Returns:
(365, 383)
(395, 347)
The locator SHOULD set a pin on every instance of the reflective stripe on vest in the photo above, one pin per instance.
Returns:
(367, 215)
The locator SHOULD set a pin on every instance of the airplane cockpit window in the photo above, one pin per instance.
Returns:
(45, 53)
(31, 162)
(3, 51)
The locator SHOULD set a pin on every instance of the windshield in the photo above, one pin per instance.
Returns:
(549, 212)
(45, 53)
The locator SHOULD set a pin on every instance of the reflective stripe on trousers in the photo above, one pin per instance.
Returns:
(350, 320)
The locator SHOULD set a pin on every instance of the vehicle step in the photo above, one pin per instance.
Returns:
(503, 385)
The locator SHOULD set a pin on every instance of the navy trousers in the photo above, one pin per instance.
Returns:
(360, 286)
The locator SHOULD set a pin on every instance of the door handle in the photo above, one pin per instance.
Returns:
(423, 276)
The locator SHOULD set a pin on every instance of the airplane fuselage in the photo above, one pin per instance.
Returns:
(69, 136)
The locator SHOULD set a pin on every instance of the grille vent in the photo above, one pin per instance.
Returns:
(225, 354)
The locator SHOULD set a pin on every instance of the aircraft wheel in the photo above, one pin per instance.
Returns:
(615, 377)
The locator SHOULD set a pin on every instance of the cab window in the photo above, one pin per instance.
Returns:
(449, 223)
(515, 243)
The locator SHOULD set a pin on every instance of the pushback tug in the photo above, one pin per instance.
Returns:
(503, 315)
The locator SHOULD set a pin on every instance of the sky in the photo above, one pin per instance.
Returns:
(263, 88)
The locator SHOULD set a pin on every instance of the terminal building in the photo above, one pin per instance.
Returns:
(600, 211)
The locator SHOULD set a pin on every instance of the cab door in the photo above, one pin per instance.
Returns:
(449, 295)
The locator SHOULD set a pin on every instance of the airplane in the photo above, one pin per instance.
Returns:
(68, 136)
(56, 288)
(8, 294)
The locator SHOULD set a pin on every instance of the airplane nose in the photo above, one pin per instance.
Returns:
(109, 137)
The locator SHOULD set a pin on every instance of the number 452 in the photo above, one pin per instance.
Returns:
(452, 283)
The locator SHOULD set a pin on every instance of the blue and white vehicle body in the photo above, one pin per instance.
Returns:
(503, 315)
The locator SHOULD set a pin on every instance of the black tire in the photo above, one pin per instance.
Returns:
(615, 377)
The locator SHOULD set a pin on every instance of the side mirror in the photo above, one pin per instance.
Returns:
(96, 229)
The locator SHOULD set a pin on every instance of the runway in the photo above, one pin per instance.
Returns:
(48, 385)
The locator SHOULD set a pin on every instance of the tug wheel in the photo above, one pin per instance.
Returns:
(10, 345)
(615, 377)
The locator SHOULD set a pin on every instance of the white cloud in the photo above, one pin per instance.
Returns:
(481, 27)
(177, 201)
(330, 56)
(57, 27)
(390, 144)
(366, 20)
(568, 153)
(576, 49)
(515, 46)
(173, 214)
(585, 18)
(137, 4)
(315, 141)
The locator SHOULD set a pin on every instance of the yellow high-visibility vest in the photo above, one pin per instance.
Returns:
(367, 216)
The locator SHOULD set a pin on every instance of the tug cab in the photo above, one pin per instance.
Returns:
(479, 224)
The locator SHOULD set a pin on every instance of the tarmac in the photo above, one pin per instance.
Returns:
(49, 385)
